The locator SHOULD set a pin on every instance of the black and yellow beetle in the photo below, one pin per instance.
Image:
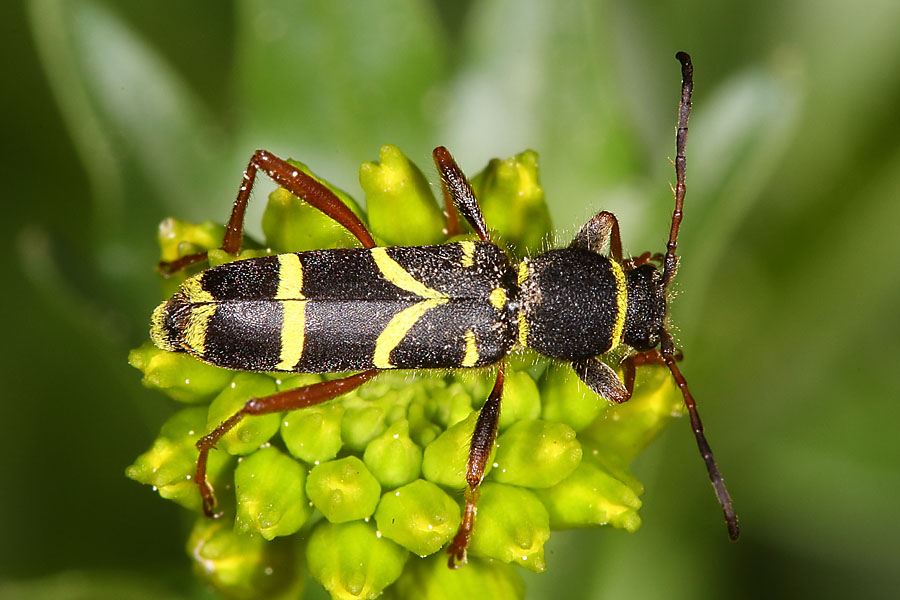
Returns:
(458, 305)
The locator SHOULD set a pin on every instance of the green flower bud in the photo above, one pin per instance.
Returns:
(352, 560)
(627, 428)
(271, 494)
(292, 225)
(419, 516)
(536, 454)
(395, 187)
(178, 238)
(245, 566)
(361, 425)
(591, 496)
(421, 429)
(170, 465)
(393, 458)
(343, 490)
(447, 405)
(217, 256)
(567, 400)
(430, 579)
(178, 375)
(444, 461)
(512, 526)
(512, 201)
(521, 399)
(313, 434)
(253, 431)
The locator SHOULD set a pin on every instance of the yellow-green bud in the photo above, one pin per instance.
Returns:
(430, 579)
(352, 560)
(521, 399)
(566, 400)
(253, 431)
(512, 201)
(292, 225)
(361, 424)
(170, 465)
(419, 516)
(313, 434)
(343, 490)
(393, 458)
(512, 526)
(536, 454)
(245, 566)
(445, 458)
(271, 495)
(178, 375)
(395, 186)
(591, 496)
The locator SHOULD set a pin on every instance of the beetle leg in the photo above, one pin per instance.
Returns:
(594, 235)
(300, 397)
(479, 452)
(602, 379)
(293, 180)
(456, 187)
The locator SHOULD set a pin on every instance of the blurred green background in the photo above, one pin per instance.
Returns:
(118, 114)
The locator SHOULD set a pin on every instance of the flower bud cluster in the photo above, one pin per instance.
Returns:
(364, 491)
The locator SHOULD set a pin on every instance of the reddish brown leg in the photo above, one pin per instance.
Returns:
(457, 188)
(282, 401)
(450, 212)
(479, 452)
(651, 357)
(643, 259)
(293, 180)
(667, 352)
(593, 236)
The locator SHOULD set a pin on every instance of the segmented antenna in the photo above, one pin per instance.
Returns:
(667, 345)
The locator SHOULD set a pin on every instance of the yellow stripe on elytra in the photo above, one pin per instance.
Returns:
(158, 328)
(498, 298)
(523, 330)
(522, 272)
(397, 329)
(290, 278)
(197, 325)
(293, 334)
(396, 274)
(192, 288)
(621, 304)
(468, 253)
(471, 356)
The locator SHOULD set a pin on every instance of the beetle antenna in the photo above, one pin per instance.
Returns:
(667, 345)
(684, 113)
